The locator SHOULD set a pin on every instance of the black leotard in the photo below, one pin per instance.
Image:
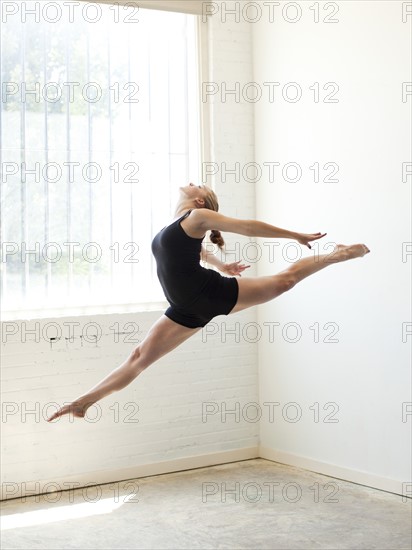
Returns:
(195, 294)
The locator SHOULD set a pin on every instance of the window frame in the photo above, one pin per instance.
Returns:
(192, 7)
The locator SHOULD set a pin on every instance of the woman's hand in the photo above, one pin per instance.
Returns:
(234, 268)
(306, 238)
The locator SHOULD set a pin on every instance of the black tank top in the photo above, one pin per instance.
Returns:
(178, 264)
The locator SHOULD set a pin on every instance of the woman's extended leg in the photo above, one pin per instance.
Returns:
(258, 290)
(164, 336)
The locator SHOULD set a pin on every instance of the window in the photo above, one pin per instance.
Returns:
(99, 128)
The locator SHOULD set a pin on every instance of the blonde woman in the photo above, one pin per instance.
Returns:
(197, 294)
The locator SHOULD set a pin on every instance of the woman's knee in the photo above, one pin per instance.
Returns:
(136, 357)
(283, 283)
(290, 281)
(136, 353)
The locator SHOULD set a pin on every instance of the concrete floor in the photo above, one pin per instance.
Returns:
(250, 504)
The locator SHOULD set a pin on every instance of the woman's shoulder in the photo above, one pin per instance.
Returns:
(192, 224)
(196, 219)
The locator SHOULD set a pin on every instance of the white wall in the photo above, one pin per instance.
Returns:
(367, 133)
(209, 368)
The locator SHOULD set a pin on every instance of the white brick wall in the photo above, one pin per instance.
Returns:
(170, 393)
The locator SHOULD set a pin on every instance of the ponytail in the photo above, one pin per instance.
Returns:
(216, 238)
(212, 203)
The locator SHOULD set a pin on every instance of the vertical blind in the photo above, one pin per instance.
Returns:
(99, 127)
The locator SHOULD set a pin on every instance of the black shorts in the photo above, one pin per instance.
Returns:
(219, 297)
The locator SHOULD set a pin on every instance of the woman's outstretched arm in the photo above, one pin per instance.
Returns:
(233, 268)
(210, 258)
(209, 219)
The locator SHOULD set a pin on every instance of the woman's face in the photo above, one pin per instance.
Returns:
(194, 191)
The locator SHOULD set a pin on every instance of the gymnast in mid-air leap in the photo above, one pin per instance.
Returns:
(197, 294)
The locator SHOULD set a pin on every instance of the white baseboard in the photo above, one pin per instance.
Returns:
(402, 488)
(110, 476)
(396, 486)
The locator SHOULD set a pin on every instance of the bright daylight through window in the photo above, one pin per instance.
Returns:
(99, 128)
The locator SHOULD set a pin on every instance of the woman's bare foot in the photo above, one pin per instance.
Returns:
(344, 252)
(77, 408)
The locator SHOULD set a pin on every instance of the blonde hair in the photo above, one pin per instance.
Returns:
(212, 203)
